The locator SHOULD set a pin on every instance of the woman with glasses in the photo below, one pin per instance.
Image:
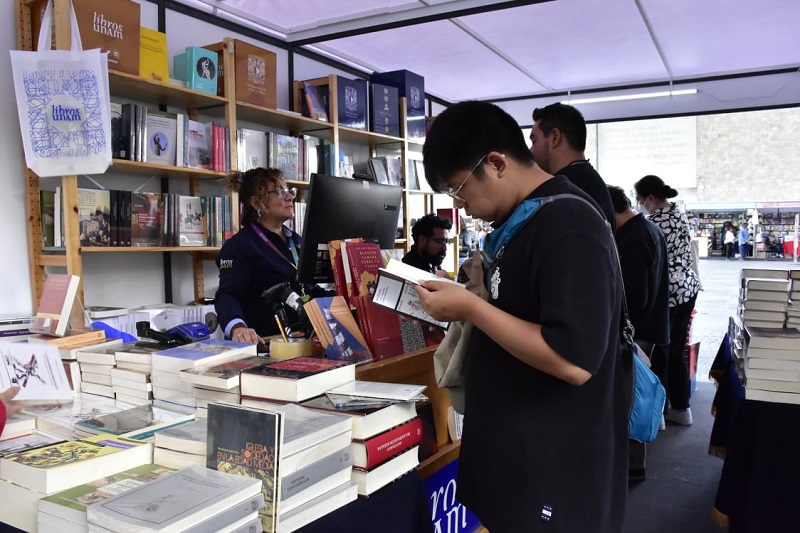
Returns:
(262, 254)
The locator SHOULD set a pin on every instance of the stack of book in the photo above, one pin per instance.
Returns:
(140, 422)
(15, 328)
(96, 365)
(218, 382)
(183, 445)
(18, 425)
(35, 473)
(772, 366)
(191, 499)
(167, 365)
(65, 511)
(793, 310)
(386, 430)
(294, 380)
(131, 386)
(764, 297)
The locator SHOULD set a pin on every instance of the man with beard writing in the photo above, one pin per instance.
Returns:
(430, 244)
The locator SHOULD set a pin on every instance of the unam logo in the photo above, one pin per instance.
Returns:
(256, 70)
(66, 113)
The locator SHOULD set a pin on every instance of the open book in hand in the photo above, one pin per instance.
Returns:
(395, 290)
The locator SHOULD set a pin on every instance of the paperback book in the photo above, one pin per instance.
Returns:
(139, 422)
(58, 296)
(205, 352)
(36, 369)
(337, 329)
(224, 376)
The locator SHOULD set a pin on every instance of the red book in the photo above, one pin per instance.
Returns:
(295, 380)
(381, 328)
(364, 259)
(337, 265)
(58, 295)
(367, 454)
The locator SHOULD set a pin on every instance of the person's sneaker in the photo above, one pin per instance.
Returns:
(663, 425)
(637, 476)
(682, 417)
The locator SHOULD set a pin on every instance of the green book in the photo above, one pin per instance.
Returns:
(71, 504)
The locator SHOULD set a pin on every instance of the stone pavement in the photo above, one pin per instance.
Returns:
(718, 300)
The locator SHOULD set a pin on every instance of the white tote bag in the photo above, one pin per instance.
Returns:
(63, 104)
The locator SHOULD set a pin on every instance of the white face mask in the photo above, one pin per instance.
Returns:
(642, 208)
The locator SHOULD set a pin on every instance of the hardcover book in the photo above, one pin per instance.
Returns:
(370, 481)
(58, 296)
(313, 104)
(191, 221)
(380, 326)
(146, 218)
(256, 75)
(368, 419)
(94, 217)
(384, 109)
(153, 56)
(140, 422)
(36, 369)
(368, 454)
(337, 266)
(781, 339)
(364, 259)
(352, 100)
(175, 502)
(295, 379)
(70, 504)
(286, 155)
(201, 353)
(197, 145)
(198, 68)
(224, 376)
(61, 466)
(162, 137)
(380, 390)
(188, 438)
(412, 87)
(246, 441)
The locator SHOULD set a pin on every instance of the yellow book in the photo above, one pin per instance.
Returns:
(153, 59)
(66, 464)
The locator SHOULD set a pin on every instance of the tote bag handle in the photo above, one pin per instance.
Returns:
(46, 34)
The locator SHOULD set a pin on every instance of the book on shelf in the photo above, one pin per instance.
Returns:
(369, 481)
(313, 105)
(352, 102)
(412, 182)
(224, 376)
(61, 466)
(285, 152)
(317, 508)
(295, 380)
(190, 497)
(379, 390)
(153, 56)
(782, 339)
(188, 438)
(369, 453)
(201, 353)
(139, 422)
(384, 109)
(198, 68)
(337, 329)
(337, 267)
(246, 441)
(363, 260)
(162, 137)
(251, 149)
(147, 210)
(380, 326)
(196, 145)
(255, 75)
(58, 297)
(47, 202)
(94, 215)
(191, 221)
(36, 369)
(370, 419)
(394, 169)
(70, 505)
(377, 167)
(395, 290)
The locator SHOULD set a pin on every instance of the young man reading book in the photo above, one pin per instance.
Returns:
(547, 397)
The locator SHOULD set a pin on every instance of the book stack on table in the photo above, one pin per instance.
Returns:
(386, 430)
(772, 365)
(182, 445)
(218, 382)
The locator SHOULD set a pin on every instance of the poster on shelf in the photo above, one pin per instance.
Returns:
(63, 105)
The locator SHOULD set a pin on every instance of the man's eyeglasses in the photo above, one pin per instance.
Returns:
(284, 191)
(438, 240)
(454, 193)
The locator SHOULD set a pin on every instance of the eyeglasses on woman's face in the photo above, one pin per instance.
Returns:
(285, 192)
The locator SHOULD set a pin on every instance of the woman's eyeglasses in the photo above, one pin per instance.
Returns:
(286, 192)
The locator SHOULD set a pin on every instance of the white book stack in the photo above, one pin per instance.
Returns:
(96, 365)
(18, 425)
(772, 366)
(182, 446)
(132, 386)
(764, 297)
(194, 497)
(218, 382)
(167, 364)
(793, 310)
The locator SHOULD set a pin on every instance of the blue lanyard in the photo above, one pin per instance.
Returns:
(292, 247)
(495, 242)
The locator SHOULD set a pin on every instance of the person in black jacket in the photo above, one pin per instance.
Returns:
(262, 254)
(430, 243)
(642, 251)
(558, 142)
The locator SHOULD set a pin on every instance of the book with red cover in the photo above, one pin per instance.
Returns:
(58, 296)
(295, 380)
(339, 278)
(369, 453)
(381, 328)
(365, 259)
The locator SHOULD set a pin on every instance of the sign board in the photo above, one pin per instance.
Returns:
(447, 514)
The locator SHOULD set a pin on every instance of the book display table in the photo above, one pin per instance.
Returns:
(759, 488)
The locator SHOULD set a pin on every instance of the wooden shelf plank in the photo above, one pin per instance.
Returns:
(283, 119)
(362, 136)
(149, 169)
(446, 454)
(126, 85)
(130, 249)
(53, 260)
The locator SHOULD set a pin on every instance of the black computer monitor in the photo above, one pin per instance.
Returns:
(341, 208)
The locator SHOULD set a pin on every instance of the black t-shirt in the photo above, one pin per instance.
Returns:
(589, 181)
(535, 445)
(414, 259)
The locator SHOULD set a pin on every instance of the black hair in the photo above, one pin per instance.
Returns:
(655, 186)
(567, 119)
(426, 225)
(252, 184)
(619, 199)
(465, 132)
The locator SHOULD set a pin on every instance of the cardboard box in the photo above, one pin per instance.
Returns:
(111, 25)
(256, 75)
(412, 87)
